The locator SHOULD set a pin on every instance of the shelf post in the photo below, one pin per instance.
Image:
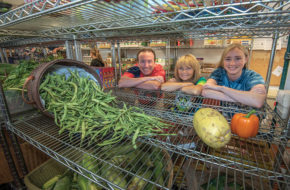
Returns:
(78, 51)
(273, 51)
(167, 61)
(6, 116)
(2, 56)
(114, 61)
(44, 51)
(3, 141)
(285, 67)
(10, 52)
(5, 55)
(119, 60)
(69, 50)
(250, 52)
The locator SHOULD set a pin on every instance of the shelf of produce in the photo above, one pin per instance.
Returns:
(255, 163)
(110, 19)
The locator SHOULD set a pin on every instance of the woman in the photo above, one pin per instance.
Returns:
(97, 60)
(232, 81)
(187, 80)
(186, 76)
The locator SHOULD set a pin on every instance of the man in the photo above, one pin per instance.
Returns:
(146, 74)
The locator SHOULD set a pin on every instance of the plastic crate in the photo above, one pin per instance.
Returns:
(36, 178)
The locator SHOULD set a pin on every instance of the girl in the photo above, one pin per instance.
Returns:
(232, 81)
(187, 80)
(186, 76)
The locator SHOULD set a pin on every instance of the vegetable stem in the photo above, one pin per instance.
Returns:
(250, 113)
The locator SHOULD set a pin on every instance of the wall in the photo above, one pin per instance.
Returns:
(260, 61)
(210, 55)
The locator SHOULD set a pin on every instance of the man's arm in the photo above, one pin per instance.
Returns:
(131, 82)
(149, 83)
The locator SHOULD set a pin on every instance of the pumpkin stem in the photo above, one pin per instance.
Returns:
(250, 113)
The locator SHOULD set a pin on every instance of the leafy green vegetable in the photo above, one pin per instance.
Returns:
(17, 77)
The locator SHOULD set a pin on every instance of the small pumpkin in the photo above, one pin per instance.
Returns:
(245, 125)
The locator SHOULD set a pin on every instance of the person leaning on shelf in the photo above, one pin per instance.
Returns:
(146, 74)
(186, 76)
(232, 81)
(97, 60)
(187, 80)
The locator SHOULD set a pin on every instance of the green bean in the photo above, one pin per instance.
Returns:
(135, 137)
(64, 113)
(83, 130)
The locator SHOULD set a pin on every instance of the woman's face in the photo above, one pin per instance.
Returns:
(234, 62)
(185, 72)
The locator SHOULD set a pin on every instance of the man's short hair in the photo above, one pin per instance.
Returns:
(146, 50)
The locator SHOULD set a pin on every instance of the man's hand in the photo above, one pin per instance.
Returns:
(157, 78)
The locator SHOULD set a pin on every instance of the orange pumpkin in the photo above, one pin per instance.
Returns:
(245, 125)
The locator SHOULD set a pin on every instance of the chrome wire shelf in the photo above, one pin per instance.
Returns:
(41, 132)
(158, 103)
(256, 163)
(107, 19)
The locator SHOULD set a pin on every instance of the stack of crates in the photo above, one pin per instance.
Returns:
(106, 75)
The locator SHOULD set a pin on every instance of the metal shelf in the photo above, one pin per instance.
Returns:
(102, 19)
(256, 163)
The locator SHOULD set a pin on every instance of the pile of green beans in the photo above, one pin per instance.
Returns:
(80, 106)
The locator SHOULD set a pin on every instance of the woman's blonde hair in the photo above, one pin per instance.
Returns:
(191, 61)
(230, 48)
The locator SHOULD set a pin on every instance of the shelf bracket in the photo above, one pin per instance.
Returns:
(271, 62)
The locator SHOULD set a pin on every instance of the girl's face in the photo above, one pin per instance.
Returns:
(185, 72)
(234, 62)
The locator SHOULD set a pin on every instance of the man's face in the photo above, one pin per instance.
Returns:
(146, 62)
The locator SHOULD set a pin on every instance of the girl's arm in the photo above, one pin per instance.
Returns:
(171, 86)
(255, 97)
(193, 89)
(150, 83)
(209, 91)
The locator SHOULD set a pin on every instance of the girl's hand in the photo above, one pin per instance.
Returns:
(172, 80)
(212, 86)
